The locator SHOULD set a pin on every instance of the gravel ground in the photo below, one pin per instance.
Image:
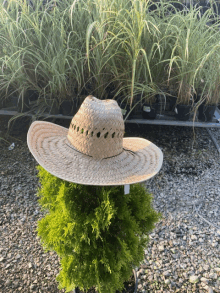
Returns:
(183, 254)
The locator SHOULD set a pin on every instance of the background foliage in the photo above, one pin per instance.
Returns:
(98, 232)
(120, 49)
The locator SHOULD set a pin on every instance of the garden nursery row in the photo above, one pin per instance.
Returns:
(151, 56)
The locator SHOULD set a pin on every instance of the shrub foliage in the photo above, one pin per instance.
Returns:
(99, 232)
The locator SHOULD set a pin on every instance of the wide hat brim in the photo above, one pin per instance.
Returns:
(140, 159)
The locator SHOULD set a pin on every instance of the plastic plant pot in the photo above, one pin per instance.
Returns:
(206, 112)
(52, 107)
(149, 111)
(125, 109)
(68, 108)
(182, 112)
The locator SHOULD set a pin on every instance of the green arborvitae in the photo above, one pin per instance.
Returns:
(99, 232)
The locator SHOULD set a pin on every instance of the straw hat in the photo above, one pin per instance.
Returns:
(93, 151)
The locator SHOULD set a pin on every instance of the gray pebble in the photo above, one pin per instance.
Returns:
(166, 273)
(194, 279)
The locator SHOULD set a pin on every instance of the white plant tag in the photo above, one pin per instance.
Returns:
(146, 109)
(176, 110)
(123, 111)
(11, 147)
(126, 189)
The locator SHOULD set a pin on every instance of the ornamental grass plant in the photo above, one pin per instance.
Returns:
(209, 79)
(99, 233)
(127, 50)
(194, 39)
(80, 47)
(42, 49)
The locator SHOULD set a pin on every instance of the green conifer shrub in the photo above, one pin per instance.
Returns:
(99, 232)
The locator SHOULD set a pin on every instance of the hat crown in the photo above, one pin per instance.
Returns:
(97, 129)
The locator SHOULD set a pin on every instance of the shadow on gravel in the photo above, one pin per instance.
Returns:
(129, 287)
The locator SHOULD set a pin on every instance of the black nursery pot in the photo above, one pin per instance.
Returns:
(182, 112)
(172, 103)
(52, 107)
(23, 104)
(68, 108)
(206, 112)
(33, 96)
(129, 286)
(149, 111)
(125, 109)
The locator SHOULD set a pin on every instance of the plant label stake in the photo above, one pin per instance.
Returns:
(126, 189)
(146, 109)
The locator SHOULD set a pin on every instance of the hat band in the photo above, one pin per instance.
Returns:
(123, 149)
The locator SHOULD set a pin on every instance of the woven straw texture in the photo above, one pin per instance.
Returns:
(97, 129)
(94, 152)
